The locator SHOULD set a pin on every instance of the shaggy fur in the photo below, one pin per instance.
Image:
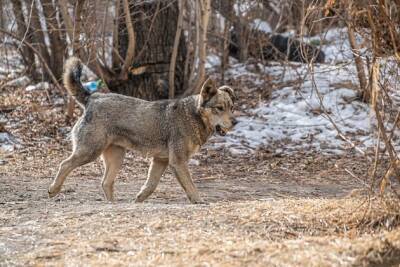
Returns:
(169, 131)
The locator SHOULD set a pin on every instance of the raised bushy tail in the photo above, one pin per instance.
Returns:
(72, 81)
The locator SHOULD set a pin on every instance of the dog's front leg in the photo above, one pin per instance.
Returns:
(182, 173)
(156, 170)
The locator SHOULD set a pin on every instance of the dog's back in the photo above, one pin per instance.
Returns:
(127, 121)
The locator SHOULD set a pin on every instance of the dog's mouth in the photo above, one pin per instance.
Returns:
(220, 130)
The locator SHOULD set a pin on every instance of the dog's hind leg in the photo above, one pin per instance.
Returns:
(113, 156)
(156, 170)
(78, 158)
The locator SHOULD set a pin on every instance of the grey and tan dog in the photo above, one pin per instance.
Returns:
(169, 131)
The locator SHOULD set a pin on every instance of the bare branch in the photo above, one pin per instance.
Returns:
(359, 64)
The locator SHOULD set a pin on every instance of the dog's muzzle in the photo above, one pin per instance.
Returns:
(220, 130)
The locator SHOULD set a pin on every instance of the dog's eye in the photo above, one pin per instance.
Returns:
(220, 108)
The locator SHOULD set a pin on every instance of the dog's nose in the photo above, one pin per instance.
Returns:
(234, 121)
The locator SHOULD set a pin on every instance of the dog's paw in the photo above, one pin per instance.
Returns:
(53, 192)
(138, 200)
(199, 202)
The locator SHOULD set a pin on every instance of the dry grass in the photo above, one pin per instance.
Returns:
(313, 232)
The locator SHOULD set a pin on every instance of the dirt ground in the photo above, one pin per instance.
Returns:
(264, 209)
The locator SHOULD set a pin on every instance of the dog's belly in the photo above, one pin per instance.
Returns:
(146, 149)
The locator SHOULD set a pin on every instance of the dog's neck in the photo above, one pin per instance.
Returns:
(201, 132)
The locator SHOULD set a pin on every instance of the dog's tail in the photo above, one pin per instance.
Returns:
(72, 81)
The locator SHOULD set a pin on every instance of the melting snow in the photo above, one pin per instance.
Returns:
(7, 142)
(261, 25)
(293, 120)
(41, 85)
(19, 82)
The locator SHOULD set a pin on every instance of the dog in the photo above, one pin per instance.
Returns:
(169, 131)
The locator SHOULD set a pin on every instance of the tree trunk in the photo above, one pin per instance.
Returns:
(243, 31)
(205, 11)
(73, 30)
(240, 28)
(27, 55)
(39, 37)
(171, 78)
(2, 19)
(365, 93)
(56, 43)
(225, 50)
(154, 24)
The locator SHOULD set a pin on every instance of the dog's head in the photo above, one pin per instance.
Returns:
(216, 107)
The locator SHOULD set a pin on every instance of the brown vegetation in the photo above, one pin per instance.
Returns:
(264, 208)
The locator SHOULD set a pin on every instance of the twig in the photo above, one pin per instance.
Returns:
(377, 148)
(357, 178)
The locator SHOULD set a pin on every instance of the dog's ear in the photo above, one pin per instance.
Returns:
(208, 90)
(230, 91)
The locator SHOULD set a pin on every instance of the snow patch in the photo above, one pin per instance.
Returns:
(19, 82)
(336, 45)
(194, 162)
(7, 142)
(212, 61)
(242, 8)
(293, 119)
(297, 116)
(38, 86)
(261, 25)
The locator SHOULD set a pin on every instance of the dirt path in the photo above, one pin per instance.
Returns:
(262, 210)
(218, 178)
